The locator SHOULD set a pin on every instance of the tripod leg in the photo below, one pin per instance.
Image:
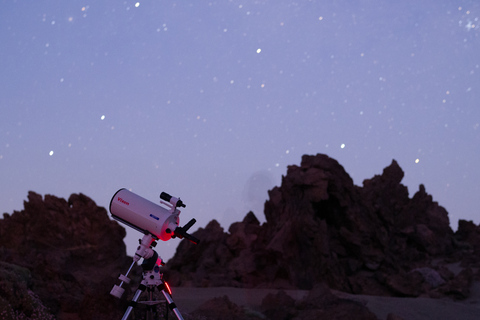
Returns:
(172, 305)
(133, 302)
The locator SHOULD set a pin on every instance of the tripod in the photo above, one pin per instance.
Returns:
(152, 278)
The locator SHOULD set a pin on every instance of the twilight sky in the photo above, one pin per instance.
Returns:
(210, 101)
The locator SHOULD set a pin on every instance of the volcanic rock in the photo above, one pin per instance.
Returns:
(68, 253)
(59, 259)
(279, 306)
(321, 228)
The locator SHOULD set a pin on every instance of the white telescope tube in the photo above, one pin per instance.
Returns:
(143, 215)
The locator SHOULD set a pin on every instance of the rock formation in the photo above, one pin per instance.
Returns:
(321, 228)
(59, 259)
(65, 255)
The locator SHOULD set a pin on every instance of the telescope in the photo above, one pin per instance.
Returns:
(156, 223)
(150, 218)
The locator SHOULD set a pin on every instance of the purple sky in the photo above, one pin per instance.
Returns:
(211, 100)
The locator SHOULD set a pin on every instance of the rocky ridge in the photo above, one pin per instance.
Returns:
(321, 228)
(60, 258)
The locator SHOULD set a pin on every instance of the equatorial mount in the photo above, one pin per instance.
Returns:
(152, 279)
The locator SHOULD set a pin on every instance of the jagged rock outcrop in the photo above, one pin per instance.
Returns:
(68, 253)
(59, 259)
(321, 228)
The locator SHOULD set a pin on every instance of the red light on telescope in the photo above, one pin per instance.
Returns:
(168, 288)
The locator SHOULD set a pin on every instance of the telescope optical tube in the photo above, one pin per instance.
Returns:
(143, 215)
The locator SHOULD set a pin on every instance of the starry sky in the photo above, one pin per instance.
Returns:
(210, 101)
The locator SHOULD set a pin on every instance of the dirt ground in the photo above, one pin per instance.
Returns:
(188, 299)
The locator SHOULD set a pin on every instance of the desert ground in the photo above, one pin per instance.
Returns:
(188, 299)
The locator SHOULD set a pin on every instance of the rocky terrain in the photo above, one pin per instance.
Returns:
(323, 235)
(321, 228)
(60, 259)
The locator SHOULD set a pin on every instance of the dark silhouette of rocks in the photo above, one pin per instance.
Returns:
(59, 259)
(65, 257)
(321, 228)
